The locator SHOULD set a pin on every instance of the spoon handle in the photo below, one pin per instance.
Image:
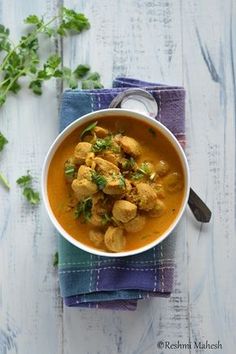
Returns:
(199, 209)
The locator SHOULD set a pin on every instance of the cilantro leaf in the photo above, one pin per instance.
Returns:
(94, 76)
(3, 141)
(122, 181)
(84, 209)
(72, 22)
(128, 163)
(31, 195)
(88, 129)
(39, 24)
(24, 180)
(36, 87)
(49, 68)
(99, 180)
(90, 85)
(102, 144)
(33, 20)
(25, 183)
(69, 77)
(69, 170)
(55, 259)
(142, 171)
(5, 45)
(81, 71)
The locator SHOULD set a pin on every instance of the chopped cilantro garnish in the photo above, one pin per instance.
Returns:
(84, 209)
(143, 170)
(128, 164)
(69, 170)
(100, 180)
(88, 129)
(106, 219)
(102, 144)
(122, 181)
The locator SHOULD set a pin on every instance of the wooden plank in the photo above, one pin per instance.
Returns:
(30, 308)
(208, 77)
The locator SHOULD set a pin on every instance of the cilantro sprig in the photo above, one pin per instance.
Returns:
(25, 183)
(23, 59)
(142, 171)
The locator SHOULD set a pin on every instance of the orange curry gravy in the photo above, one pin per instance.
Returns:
(155, 147)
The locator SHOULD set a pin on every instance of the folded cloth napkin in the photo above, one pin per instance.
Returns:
(91, 281)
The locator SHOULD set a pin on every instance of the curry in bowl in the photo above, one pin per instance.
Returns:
(116, 184)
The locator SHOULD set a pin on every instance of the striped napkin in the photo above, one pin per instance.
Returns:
(92, 281)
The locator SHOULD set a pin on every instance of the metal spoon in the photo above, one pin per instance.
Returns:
(142, 101)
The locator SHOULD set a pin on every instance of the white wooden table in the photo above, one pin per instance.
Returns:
(183, 42)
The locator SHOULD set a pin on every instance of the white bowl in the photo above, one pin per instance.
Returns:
(115, 113)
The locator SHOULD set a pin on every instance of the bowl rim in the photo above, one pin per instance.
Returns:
(90, 117)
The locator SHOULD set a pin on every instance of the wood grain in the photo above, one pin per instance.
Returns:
(190, 43)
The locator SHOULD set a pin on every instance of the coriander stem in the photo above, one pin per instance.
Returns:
(12, 82)
(4, 181)
(4, 81)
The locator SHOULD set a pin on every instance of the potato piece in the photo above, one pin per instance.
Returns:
(130, 146)
(81, 151)
(105, 166)
(114, 239)
(124, 211)
(113, 187)
(100, 132)
(83, 188)
(96, 237)
(162, 168)
(173, 182)
(136, 224)
(84, 172)
(158, 209)
(146, 196)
